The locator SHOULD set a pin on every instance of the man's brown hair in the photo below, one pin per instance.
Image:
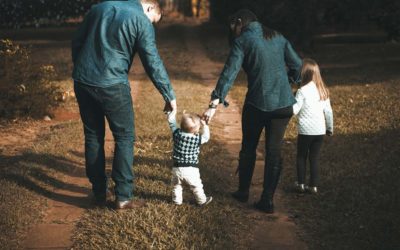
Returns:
(156, 4)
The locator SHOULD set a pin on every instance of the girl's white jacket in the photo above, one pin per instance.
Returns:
(315, 116)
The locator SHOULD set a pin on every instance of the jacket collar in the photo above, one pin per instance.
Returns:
(254, 27)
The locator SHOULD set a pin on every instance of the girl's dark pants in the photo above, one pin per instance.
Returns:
(308, 146)
(253, 122)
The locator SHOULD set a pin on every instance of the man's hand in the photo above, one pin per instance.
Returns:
(170, 107)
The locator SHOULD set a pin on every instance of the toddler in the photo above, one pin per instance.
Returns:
(187, 140)
(315, 119)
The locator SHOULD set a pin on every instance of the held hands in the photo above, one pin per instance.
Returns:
(170, 107)
(210, 112)
(208, 115)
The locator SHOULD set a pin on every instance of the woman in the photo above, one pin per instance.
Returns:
(269, 61)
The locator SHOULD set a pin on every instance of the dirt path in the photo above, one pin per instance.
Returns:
(275, 231)
(56, 229)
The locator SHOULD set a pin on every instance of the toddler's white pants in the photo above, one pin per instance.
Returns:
(190, 176)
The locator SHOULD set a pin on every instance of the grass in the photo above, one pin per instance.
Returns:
(358, 203)
(163, 225)
(357, 207)
(28, 175)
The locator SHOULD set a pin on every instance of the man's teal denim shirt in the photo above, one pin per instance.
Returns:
(106, 42)
(268, 63)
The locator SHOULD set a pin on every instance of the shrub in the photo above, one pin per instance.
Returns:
(19, 13)
(25, 90)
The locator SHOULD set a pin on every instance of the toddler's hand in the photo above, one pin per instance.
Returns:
(171, 115)
(203, 121)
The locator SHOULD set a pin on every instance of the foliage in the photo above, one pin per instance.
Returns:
(299, 20)
(25, 90)
(388, 17)
(18, 13)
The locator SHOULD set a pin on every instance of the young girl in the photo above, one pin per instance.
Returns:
(315, 119)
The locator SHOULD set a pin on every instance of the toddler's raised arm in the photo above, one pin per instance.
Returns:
(172, 121)
(205, 135)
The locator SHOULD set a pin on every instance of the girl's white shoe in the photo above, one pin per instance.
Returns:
(312, 190)
(301, 188)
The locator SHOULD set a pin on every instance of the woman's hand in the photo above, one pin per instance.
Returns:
(208, 115)
(210, 112)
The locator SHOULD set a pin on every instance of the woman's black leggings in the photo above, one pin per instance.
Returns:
(308, 146)
(253, 122)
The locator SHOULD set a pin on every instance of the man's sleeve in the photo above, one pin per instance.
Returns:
(231, 69)
(152, 62)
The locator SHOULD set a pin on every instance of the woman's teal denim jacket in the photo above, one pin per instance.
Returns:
(268, 63)
(106, 42)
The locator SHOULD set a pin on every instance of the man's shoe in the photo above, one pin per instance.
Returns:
(241, 196)
(208, 200)
(130, 204)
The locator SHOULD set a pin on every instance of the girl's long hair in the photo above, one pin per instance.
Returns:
(311, 72)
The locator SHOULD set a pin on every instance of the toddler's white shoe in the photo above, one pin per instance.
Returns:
(208, 200)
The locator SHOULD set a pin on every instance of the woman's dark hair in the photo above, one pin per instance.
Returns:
(246, 17)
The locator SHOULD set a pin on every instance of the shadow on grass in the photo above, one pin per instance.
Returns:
(40, 173)
(358, 203)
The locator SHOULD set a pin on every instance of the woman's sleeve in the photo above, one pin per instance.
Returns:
(328, 115)
(299, 102)
(293, 62)
(231, 69)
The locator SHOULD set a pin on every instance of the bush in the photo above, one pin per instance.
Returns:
(25, 90)
(18, 13)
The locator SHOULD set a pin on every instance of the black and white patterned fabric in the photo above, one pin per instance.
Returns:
(186, 149)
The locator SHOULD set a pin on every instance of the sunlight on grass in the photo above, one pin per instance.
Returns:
(163, 225)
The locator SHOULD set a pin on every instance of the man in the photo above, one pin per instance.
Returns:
(102, 52)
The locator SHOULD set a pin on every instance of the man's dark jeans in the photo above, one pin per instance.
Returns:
(115, 104)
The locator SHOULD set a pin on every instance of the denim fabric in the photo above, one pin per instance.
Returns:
(115, 104)
(106, 42)
(268, 63)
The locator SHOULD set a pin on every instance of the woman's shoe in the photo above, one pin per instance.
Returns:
(266, 206)
(241, 196)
